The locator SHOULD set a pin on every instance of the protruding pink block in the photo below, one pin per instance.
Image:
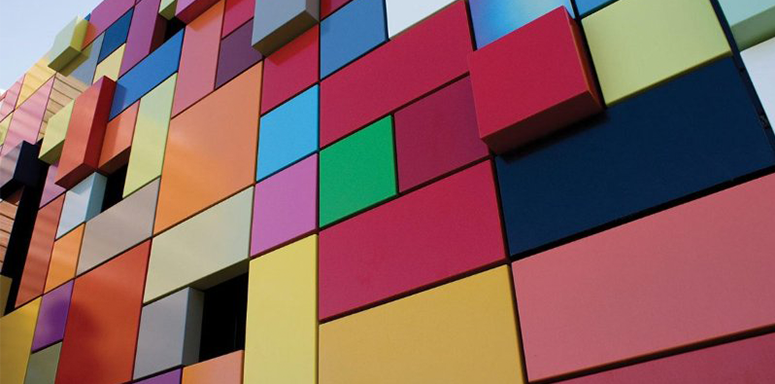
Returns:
(697, 272)
(146, 33)
(188, 10)
(28, 118)
(437, 232)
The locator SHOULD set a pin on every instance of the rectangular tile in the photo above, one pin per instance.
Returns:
(52, 317)
(236, 54)
(17, 328)
(118, 140)
(146, 33)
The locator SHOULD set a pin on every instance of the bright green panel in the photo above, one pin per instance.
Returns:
(150, 137)
(637, 44)
(42, 368)
(357, 172)
(752, 21)
(167, 8)
(54, 139)
(67, 44)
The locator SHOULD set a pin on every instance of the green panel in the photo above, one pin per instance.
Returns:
(752, 21)
(67, 45)
(56, 130)
(637, 44)
(167, 8)
(150, 137)
(42, 368)
(357, 172)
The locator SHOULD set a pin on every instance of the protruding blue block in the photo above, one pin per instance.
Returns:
(493, 19)
(350, 32)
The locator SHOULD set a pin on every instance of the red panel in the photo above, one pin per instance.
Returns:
(199, 59)
(118, 140)
(696, 272)
(291, 69)
(437, 134)
(237, 12)
(102, 326)
(188, 10)
(746, 361)
(437, 232)
(104, 15)
(39, 253)
(146, 33)
(328, 7)
(415, 63)
(533, 82)
(85, 133)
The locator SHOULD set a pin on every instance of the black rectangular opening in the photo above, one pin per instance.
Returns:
(114, 188)
(223, 318)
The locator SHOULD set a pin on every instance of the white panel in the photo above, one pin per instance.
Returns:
(402, 14)
(760, 61)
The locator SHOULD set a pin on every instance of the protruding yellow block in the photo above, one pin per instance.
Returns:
(16, 332)
(460, 333)
(637, 44)
(35, 77)
(111, 65)
(282, 327)
(54, 140)
(150, 137)
(4, 125)
(68, 43)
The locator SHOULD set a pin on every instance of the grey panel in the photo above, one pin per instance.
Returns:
(119, 228)
(169, 333)
(277, 22)
(42, 367)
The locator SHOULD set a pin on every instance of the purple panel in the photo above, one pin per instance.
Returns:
(172, 377)
(51, 190)
(52, 317)
(28, 118)
(104, 15)
(237, 54)
(285, 206)
(146, 33)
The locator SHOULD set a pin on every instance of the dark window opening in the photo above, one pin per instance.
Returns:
(223, 318)
(114, 188)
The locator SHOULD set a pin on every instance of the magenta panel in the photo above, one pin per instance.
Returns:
(437, 134)
(104, 15)
(285, 206)
(50, 327)
(437, 232)
(694, 273)
(237, 13)
(146, 33)
(236, 55)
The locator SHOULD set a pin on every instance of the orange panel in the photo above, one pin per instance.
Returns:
(226, 369)
(199, 58)
(64, 258)
(211, 150)
(104, 317)
(39, 254)
(118, 139)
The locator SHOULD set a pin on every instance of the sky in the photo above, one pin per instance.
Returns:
(28, 30)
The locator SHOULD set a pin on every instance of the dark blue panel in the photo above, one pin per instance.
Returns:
(146, 75)
(690, 134)
(115, 35)
(350, 32)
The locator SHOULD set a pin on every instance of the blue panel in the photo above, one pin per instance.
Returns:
(116, 35)
(586, 7)
(495, 18)
(685, 136)
(146, 75)
(85, 71)
(288, 133)
(82, 202)
(350, 32)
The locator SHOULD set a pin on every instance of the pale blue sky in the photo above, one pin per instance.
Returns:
(27, 30)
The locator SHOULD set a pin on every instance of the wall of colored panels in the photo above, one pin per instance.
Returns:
(392, 191)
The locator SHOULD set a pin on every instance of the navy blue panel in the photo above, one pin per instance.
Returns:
(115, 35)
(690, 134)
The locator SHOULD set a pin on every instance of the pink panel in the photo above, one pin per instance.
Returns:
(745, 361)
(50, 189)
(437, 134)
(237, 12)
(11, 96)
(146, 33)
(415, 63)
(104, 15)
(285, 206)
(28, 118)
(696, 272)
(437, 232)
(188, 10)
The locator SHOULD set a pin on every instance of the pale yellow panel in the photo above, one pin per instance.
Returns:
(637, 44)
(35, 77)
(460, 333)
(4, 125)
(282, 327)
(54, 139)
(16, 332)
(111, 66)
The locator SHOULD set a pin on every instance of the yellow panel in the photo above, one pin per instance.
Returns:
(460, 333)
(56, 131)
(111, 66)
(5, 289)
(150, 137)
(16, 331)
(38, 75)
(637, 44)
(281, 335)
(4, 127)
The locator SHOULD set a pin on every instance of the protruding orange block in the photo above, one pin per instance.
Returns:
(64, 258)
(226, 369)
(118, 140)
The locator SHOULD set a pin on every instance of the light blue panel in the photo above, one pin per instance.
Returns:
(85, 71)
(350, 32)
(586, 7)
(288, 134)
(493, 19)
(146, 75)
(82, 202)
